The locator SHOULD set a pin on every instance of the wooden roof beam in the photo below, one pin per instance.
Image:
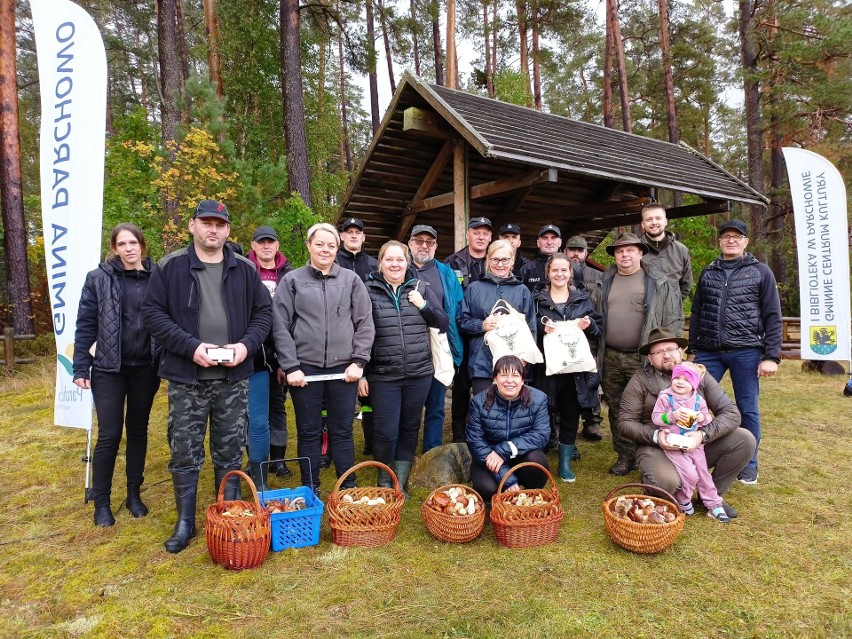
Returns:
(626, 217)
(424, 121)
(435, 171)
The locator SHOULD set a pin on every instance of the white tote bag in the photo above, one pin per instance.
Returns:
(566, 349)
(442, 357)
(511, 336)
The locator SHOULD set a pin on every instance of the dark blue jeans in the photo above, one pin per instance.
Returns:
(742, 364)
(433, 419)
(123, 401)
(397, 407)
(338, 397)
(258, 423)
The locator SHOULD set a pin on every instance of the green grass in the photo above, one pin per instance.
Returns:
(781, 570)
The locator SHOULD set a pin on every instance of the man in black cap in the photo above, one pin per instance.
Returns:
(271, 266)
(668, 256)
(549, 242)
(210, 312)
(469, 265)
(632, 302)
(512, 234)
(727, 447)
(443, 282)
(736, 326)
(351, 253)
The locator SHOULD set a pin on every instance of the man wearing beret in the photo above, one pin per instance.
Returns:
(736, 326)
(632, 301)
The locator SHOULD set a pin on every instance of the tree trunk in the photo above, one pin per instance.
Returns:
(170, 73)
(535, 56)
(521, 8)
(436, 43)
(371, 66)
(607, 73)
(11, 190)
(494, 34)
(295, 138)
(777, 208)
(751, 102)
(183, 56)
(618, 47)
(387, 43)
(668, 83)
(452, 61)
(415, 44)
(211, 28)
(346, 150)
(486, 32)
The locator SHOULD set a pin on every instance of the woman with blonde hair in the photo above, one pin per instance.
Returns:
(323, 326)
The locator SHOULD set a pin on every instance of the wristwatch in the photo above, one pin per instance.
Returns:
(359, 364)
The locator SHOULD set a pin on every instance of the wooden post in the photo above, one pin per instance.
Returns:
(9, 348)
(461, 195)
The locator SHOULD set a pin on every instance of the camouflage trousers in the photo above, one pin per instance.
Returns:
(618, 368)
(191, 406)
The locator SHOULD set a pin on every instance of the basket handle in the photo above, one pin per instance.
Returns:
(221, 498)
(522, 465)
(365, 464)
(665, 494)
(283, 459)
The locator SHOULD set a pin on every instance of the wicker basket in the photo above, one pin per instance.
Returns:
(645, 539)
(456, 529)
(242, 541)
(525, 526)
(360, 525)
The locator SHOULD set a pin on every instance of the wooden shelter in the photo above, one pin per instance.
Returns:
(443, 156)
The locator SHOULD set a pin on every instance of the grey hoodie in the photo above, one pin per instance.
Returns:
(322, 320)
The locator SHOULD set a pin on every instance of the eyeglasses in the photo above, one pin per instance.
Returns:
(731, 238)
(671, 350)
(501, 260)
(419, 242)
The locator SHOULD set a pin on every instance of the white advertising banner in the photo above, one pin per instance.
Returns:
(72, 79)
(822, 238)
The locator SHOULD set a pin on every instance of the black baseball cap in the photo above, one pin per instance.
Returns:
(351, 221)
(424, 228)
(212, 208)
(549, 228)
(264, 233)
(737, 225)
(476, 222)
(510, 228)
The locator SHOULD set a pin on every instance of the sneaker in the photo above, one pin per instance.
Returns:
(719, 514)
(687, 508)
(748, 476)
(730, 511)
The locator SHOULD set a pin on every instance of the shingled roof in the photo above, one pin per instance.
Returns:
(522, 166)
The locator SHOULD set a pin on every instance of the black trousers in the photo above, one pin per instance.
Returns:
(133, 388)
(485, 483)
(397, 407)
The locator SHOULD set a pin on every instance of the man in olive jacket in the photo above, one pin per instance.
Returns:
(728, 448)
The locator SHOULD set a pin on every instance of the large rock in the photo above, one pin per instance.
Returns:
(447, 464)
(823, 367)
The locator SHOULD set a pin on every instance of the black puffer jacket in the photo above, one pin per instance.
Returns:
(401, 347)
(99, 319)
(741, 311)
(578, 305)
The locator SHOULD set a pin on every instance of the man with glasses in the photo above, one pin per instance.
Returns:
(736, 325)
(727, 447)
(632, 302)
(444, 283)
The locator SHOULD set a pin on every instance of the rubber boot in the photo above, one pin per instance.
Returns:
(566, 451)
(384, 479)
(258, 476)
(186, 493)
(402, 470)
(103, 516)
(134, 502)
(367, 426)
(279, 467)
(232, 490)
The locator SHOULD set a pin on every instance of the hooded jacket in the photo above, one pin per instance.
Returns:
(401, 348)
(670, 259)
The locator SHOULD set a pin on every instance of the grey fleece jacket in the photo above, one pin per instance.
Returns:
(322, 320)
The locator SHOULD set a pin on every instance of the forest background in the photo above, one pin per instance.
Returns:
(269, 105)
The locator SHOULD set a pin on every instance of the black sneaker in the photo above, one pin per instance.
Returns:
(730, 511)
(748, 476)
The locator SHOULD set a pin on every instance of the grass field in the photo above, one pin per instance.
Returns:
(782, 569)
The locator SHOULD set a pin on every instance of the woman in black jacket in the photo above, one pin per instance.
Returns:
(400, 371)
(569, 392)
(121, 370)
(508, 424)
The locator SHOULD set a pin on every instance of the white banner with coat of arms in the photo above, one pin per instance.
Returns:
(822, 237)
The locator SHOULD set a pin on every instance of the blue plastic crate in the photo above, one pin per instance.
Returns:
(299, 528)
